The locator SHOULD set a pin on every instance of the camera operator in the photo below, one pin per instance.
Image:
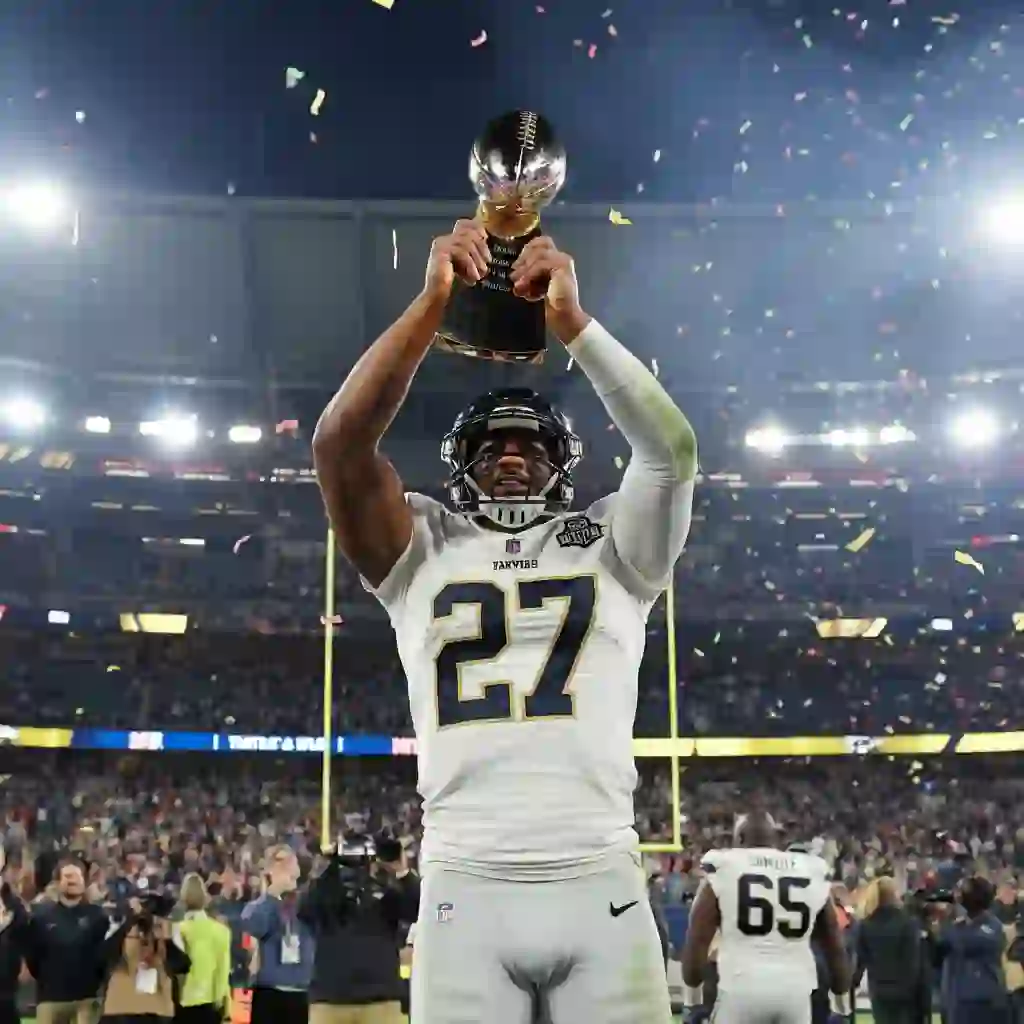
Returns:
(64, 950)
(144, 962)
(970, 949)
(889, 950)
(357, 908)
(286, 945)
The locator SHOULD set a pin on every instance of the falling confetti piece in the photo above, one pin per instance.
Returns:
(654, 367)
(592, 50)
(386, 4)
(861, 541)
(394, 248)
(334, 620)
(966, 559)
(616, 218)
(292, 77)
(80, 116)
(571, 364)
(238, 543)
(480, 39)
(318, 102)
(906, 122)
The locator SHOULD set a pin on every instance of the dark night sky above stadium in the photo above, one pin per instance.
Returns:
(668, 100)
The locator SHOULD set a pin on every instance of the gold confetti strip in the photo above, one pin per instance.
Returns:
(965, 559)
(318, 102)
(616, 218)
(861, 541)
(386, 4)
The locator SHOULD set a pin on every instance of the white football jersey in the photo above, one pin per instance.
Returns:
(769, 901)
(521, 653)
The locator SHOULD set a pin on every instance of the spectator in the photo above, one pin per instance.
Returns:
(286, 945)
(65, 951)
(13, 929)
(205, 990)
(145, 960)
(889, 950)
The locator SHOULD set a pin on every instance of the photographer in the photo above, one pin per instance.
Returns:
(889, 949)
(64, 950)
(970, 949)
(357, 909)
(144, 963)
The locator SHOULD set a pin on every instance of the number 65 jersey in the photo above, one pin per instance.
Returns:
(769, 901)
(521, 652)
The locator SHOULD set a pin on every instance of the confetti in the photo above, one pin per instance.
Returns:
(592, 50)
(967, 559)
(616, 218)
(318, 102)
(394, 248)
(861, 541)
(236, 547)
(292, 77)
(80, 116)
(480, 39)
(386, 4)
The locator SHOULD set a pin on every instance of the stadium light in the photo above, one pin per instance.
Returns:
(1004, 221)
(974, 428)
(896, 433)
(243, 434)
(180, 431)
(858, 437)
(24, 413)
(38, 206)
(97, 425)
(770, 440)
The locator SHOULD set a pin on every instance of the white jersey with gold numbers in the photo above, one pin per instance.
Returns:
(769, 901)
(521, 652)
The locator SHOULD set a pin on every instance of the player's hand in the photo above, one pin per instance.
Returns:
(543, 273)
(463, 254)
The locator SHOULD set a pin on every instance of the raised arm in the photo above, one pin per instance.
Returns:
(362, 492)
(652, 515)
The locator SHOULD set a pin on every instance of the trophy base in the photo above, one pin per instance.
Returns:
(487, 320)
(448, 344)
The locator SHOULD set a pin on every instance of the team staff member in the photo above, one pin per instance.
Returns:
(286, 944)
(889, 949)
(205, 991)
(65, 951)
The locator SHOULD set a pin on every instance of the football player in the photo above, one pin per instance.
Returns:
(520, 625)
(767, 904)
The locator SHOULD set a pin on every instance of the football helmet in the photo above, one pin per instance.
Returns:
(510, 409)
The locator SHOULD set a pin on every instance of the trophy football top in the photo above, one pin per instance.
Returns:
(517, 160)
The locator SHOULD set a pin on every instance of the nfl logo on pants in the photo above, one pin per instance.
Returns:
(444, 912)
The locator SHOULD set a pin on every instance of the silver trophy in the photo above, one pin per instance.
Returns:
(517, 167)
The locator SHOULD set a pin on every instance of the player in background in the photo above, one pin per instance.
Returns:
(521, 627)
(767, 904)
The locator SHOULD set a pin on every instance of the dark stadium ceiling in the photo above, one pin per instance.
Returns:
(250, 290)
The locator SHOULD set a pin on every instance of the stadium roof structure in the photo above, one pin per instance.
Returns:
(241, 291)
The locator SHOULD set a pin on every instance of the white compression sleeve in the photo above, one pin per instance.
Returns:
(652, 512)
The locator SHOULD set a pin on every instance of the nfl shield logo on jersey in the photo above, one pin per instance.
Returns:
(512, 547)
(445, 911)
